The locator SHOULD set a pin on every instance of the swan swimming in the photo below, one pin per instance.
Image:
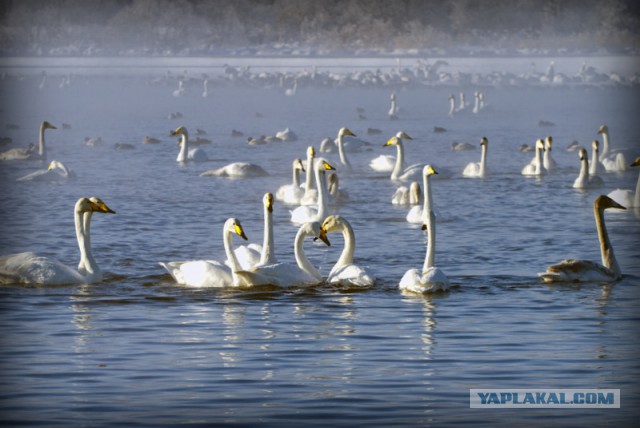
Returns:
(614, 161)
(28, 268)
(303, 273)
(584, 180)
(292, 193)
(29, 153)
(625, 197)
(407, 195)
(344, 162)
(252, 255)
(417, 213)
(345, 272)
(478, 169)
(585, 270)
(56, 171)
(400, 171)
(305, 213)
(195, 155)
(237, 170)
(210, 273)
(430, 278)
(594, 165)
(535, 168)
(548, 162)
(386, 163)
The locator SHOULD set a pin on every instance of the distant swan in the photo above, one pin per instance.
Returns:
(237, 170)
(195, 155)
(478, 169)
(386, 163)
(594, 165)
(535, 168)
(29, 153)
(548, 162)
(585, 270)
(345, 272)
(614, 161)
(292, 193)
(252, 255)
(305, 213)
(430, 278)
(344, 162)
(584, 180)
(310, 196)
(28, 268)
(400, 171)
(56, 171)
(628, 198)
(407, 195)
(393, 111)
(210, 273)
(417, 213)
(303, 273)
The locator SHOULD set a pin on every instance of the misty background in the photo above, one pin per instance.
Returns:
(312, 27)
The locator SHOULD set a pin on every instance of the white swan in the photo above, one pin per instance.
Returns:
(56, 171)
(478, 169)
(310, 196)
(430, 278)
(585, 270)
(210, 273)
(336, 194)
(386, 163)
(548, 162)
(303, 273)
(195, 155)
(29, 153)
(252, 255)
(452, 105)
(237, 170)
(88, 264)
(400, 171)
(536, 167)
(292, 193)
(584, 180)
(594, 165)
(407, 195)
(344, 162)
(417, 213)
(393, 111)
(345, 272)
(628, 198)
(28, 268)
(205, 88)
(305, 213)
(614, 161)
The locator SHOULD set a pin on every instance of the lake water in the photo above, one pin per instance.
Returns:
(137, 349)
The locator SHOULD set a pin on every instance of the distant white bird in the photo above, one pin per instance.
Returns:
(292, 193)
(344, 162)
(393, 111)
(535, 168)
(56, 171)
(293, 90)
(478, 169)
(584, 180)
(180, 91)
(584, 270)
(612, 160)
(628, 198)
(548, 162)
(29, 153)
(594, 165)
(237, 170)
(205, 88)
(195, 155)
(310, 196)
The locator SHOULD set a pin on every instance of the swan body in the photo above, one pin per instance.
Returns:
(547, 161)
(237, 170)
(416, 214)
(407, 195)
(28, 268)
(400, 171)
(478, 169)
(536, 167)
(194, 155)
(585, 270)
(614, 161)
(344, 162)
(29, 153)
(56, 171)
(252, 255)
(286, 135)
(628, 198)
(292, 193)
(584, 180)
(210, 273)
(386, 163)
(305, 213)
(303, 273)
(345, 272)
(430, 278)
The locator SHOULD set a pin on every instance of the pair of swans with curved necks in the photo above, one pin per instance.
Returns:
(30, 152)
(28, 268)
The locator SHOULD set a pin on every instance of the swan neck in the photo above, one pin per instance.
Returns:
(228, 249)
(41, 151)
(593, 166)
(483, 160)
(452, 106)
(184, 148)
(605, 145)
(636, 200)
(606, 250)
(584, 169)
(538, 161)
(343, 157)
(429, 259)
(87, 263)
(399, 167)
(309, 178)
(301, 258)
(296, 178)
(321, 184)
(346, 257)
(268, 256)
(428, 202)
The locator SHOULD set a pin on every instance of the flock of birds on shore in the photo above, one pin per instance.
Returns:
(256, 265)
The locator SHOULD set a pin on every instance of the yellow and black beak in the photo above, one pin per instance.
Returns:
(323, 236)
(240, 231)
(269, 202)
(328, 166)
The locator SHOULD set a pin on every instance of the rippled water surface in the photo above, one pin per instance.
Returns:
(137, 349)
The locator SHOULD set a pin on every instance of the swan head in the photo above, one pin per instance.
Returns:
(47, 125)
(403, 135)
(314, 229)
(582, 153)
(323, 165)
(334, 223)
(595, 144)
(484, 142)
(298, 165)
(180, 130)
(604, 129)
(103, 207)
(345, 131)
(393, 141)
(451, 97)
(268, 201)
(603, 202)
(53, 165)
(428, 170)
(540, 145)
(311, 153)
(232, 225)
(548, 141)
(636, 162)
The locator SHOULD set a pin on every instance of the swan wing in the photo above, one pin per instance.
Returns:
(279, 274)
(40, 175)
(433, 279)
(577, 271)
(29, 268)
(248, 255)
(414, 215)
(351, 275)
(383, 163)
(200, 273)
(304, 214)
(623, 196)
